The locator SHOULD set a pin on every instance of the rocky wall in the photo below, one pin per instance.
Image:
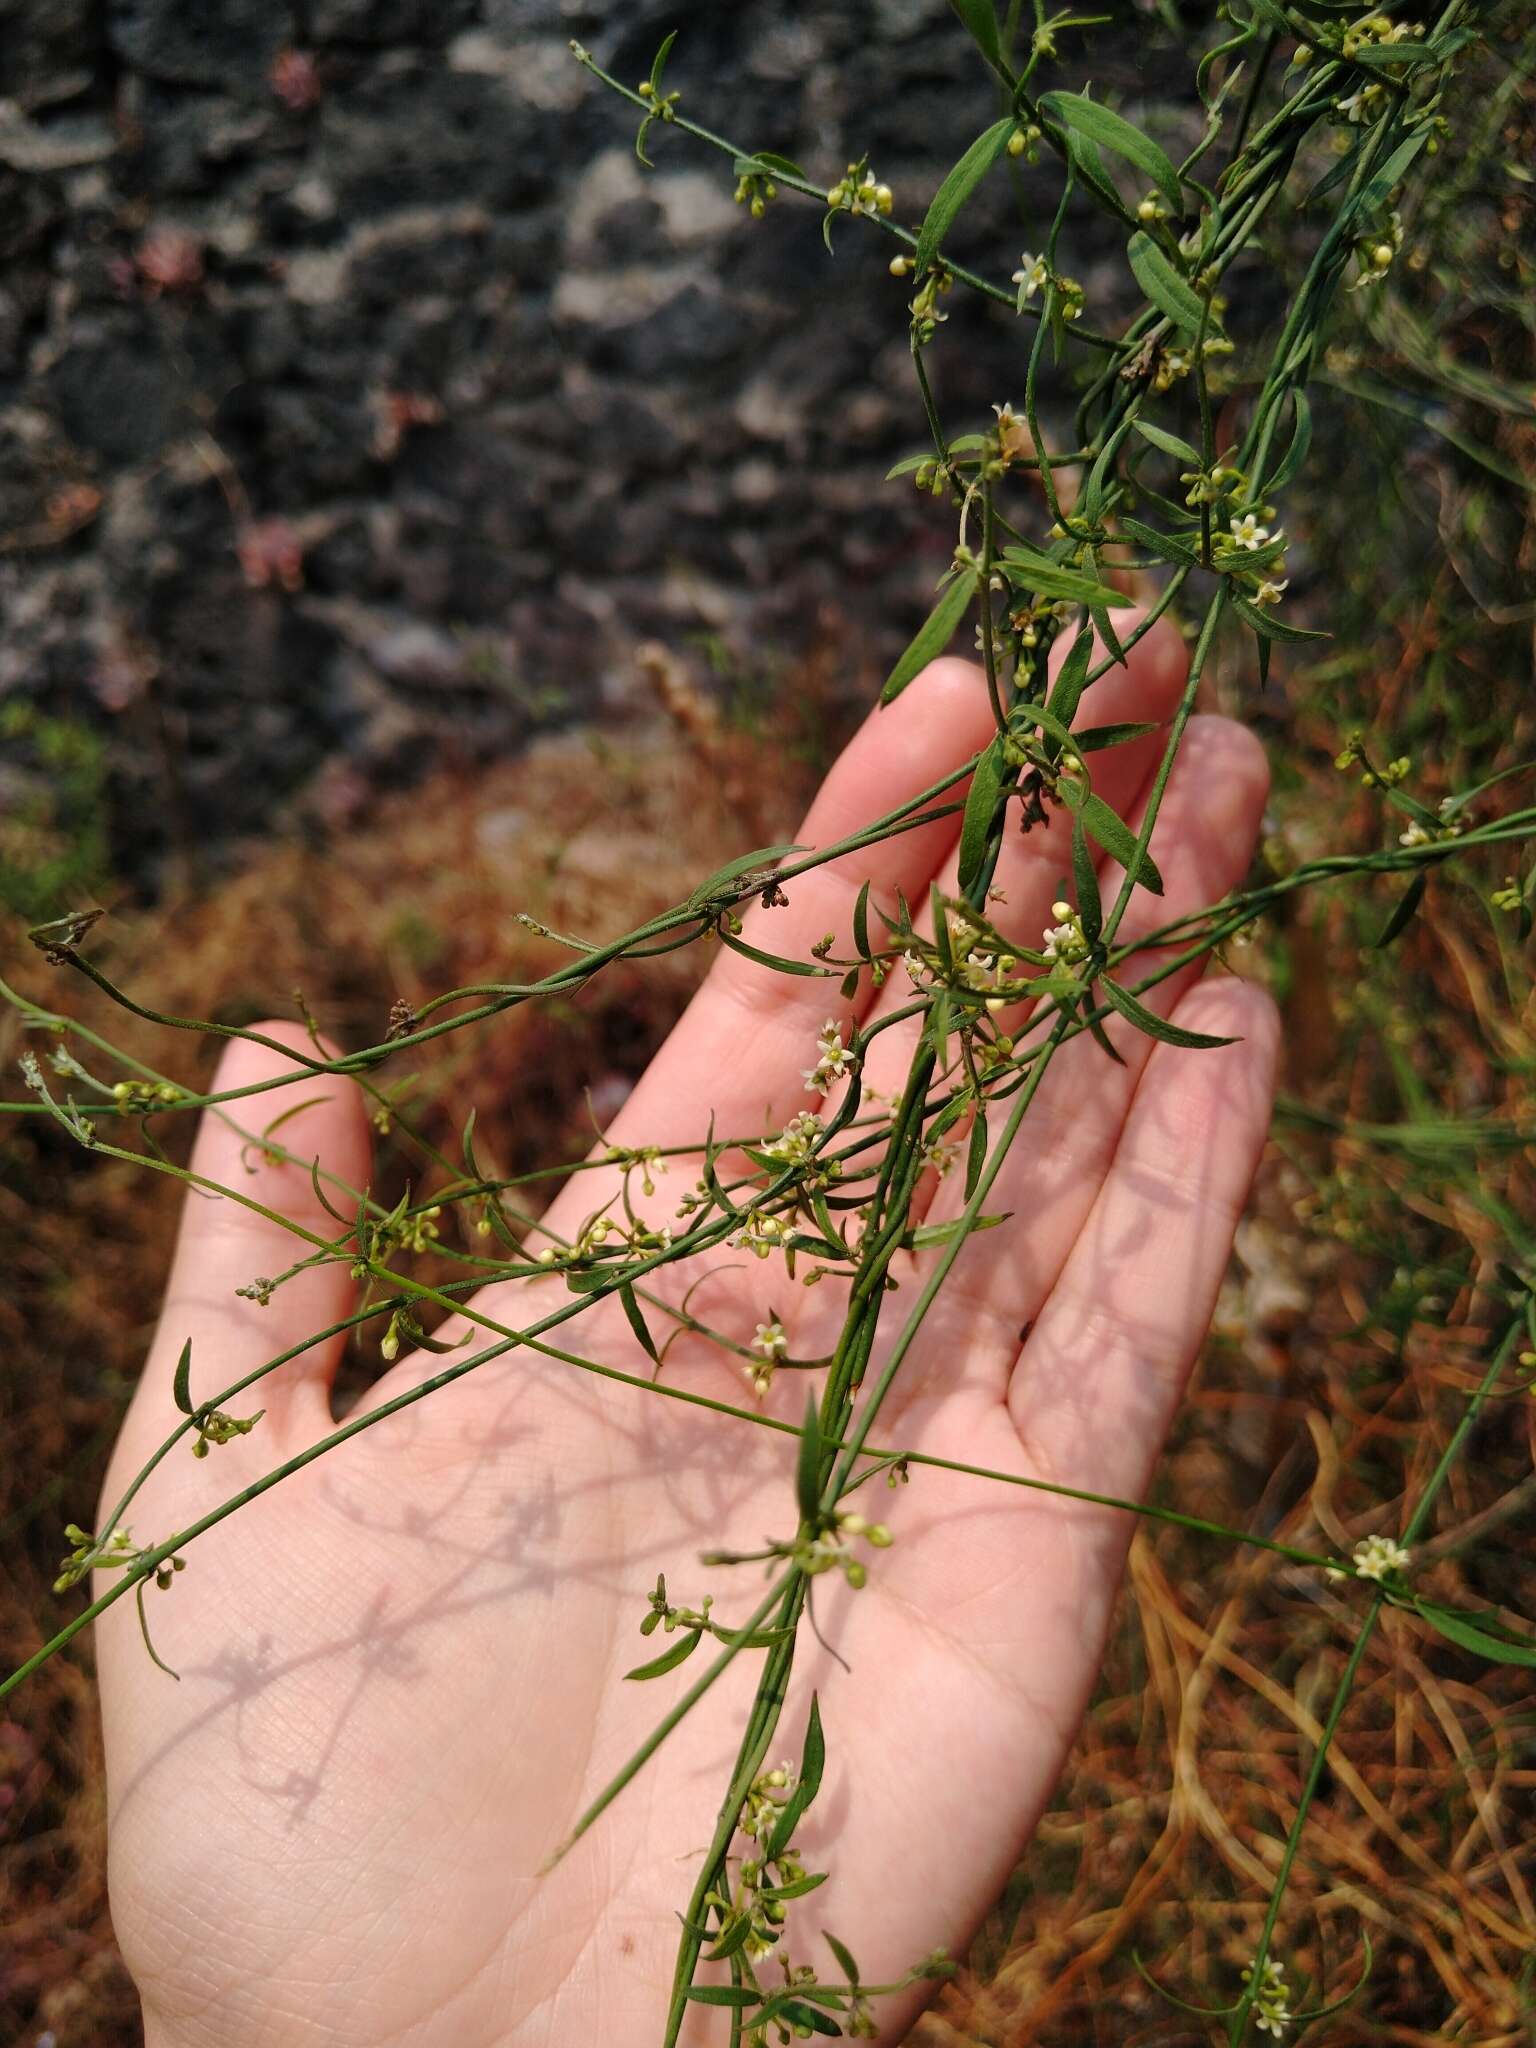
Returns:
(362, 396)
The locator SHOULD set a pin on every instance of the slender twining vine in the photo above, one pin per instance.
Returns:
(1311, 112)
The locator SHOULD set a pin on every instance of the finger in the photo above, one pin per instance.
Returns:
(1031, 865)
(1206, 831)
(741, 1048)
(224, 1245)
(1095, 1387)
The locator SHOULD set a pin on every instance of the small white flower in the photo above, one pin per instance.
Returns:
(1376, 1556)
(836, 1059)
(1271, 592)
(1416, 835)
(770, 1339)
(1247, 532)
(1032, 276)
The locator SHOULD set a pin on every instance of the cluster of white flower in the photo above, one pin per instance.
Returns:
(835, 1059)
(1361, 105)
(1034, 274)
(772, 1340)
(1272, 2015)
(1064, 941)
(1376, 254)
(1374, 1557)
(859, 191)
(797, 1141)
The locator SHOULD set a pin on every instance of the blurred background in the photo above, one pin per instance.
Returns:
(413, 511)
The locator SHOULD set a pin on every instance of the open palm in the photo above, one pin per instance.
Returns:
(402, 1668)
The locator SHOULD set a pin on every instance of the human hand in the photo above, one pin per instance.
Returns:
(402, 1668)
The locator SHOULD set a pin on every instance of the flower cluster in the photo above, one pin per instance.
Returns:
(834, 1062)
(828, 1549)
(1034, 274)
(1271, 2013)
(1065, 941)
(859, 191)
(1374, 1557)
(772, 1340)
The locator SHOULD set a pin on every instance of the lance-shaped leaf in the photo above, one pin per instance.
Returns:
(932, 637)
(1112, 131)
(1158, 1027)
(1403, 911)
(980, 19)
(637, 1323)
(181, 1386)
(669, 1660)
(1169, 443)
(1481, 1633)
(720, 882)
(1086, 881)
(1168, 291)
(845, 1962)
(808, 1464)
(992, 777)
(1050, 579)
(1268, 627)
(1071, 679)
(1119, 841)
(958, 187)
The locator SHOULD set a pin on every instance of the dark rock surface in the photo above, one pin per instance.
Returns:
(360, 393)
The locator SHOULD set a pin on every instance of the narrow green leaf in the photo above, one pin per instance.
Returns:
(811, 970)
(181, 1386)
(1154, 1026)
(1071, 679)
(808, 1464)
(1375, 191)
(734, 1937)
(1169, 443)
(1168, 291)
(1463, 1630)
(845, 1962)
(798, 2014)
(637, 1323)
(932, 637)
(1095, 1025)
(767, 160)
(1294, 459)
(719, 883)
(992, 777)
(1118, 840)
(154, 1655)
(669, 1659)
(1094, 738)
(1050, 579)
(928, 1235)
(1268, 627)
(1112, 131)
(739, 1995)
(812, 1881)
(958, 187)
(1086, 881)
(1402, 914)
(980, 19)
(1163, 545)
(660, 64)
(976, 1151)
(861, 923)
(813, 1758)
